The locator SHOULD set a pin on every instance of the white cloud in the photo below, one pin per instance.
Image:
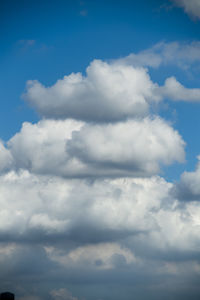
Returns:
(178, 54)
(191, 7)
(74, 149)
(116, 91)
(138, 146)
(106, 228)
(41, 147)
(81, 192)
(106, 210)
(108, 92)
(174, 90)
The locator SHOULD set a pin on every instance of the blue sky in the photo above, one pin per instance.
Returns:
(66, 41)
(99, 146)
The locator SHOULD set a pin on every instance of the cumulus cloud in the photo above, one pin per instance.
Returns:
(138, 146)
(40, 147)
(108, 92)
(106, 211)
(81, 186)
(74, 149)
(82, 231)
(191, 7)
(118, 90)
(100, 206)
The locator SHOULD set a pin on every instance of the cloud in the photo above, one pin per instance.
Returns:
(138, 211)
(138, 146)
(107, 93)
(178, 54)
(82, 205)
(101, 232)
(188, 189)
(62, 294)
(74, 149)
(83, 13)
(5, 158)
(118, 90)
(101, 256)
(27, 42)
(191, 7)
(174, 90)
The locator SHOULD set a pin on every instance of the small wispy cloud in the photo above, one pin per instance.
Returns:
(24, 45)
(84, 13)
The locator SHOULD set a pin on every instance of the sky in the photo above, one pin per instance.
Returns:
(99, 149)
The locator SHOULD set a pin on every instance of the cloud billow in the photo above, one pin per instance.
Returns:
(87, 201)
(74, 149)
(117, 90)
(108, 93)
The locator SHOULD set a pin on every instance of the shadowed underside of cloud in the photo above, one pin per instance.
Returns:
(74, 149)
(149, 234)
(139, 210)
(188, 188)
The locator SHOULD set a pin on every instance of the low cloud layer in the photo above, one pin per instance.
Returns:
(102, 231)
(76, 212)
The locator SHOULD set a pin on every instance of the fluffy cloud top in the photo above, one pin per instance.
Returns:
(73, 149)
(115, 91)
(107, 93)
(79, 186)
